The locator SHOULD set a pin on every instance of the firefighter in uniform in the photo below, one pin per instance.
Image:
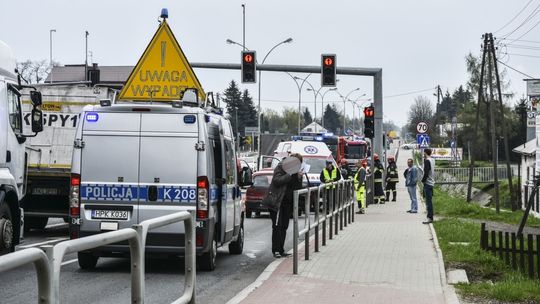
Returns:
(360, 185)
(392, 178)
(378, 196)
(328, 175)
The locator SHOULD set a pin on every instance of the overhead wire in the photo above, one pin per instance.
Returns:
(531, 15)
(514, 18)
(515, 70)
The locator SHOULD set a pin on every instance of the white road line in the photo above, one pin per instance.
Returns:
(69, 262)
(56, 225)
(57, 240)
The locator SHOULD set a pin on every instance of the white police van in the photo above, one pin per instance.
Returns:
(137, 161)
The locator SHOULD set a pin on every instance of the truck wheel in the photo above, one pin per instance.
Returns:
(248, 213)
(207, 261)
(87, 260)
(258, 214)
(37, 223)
(237, 246)
(6, 229)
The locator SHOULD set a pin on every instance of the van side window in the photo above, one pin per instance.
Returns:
(14, 110)
(230, 162)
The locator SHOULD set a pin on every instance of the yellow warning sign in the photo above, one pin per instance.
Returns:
(163, 72)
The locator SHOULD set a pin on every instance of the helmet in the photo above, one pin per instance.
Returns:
(364, 161)
(344, 162)
(390, 158)
(375, 156)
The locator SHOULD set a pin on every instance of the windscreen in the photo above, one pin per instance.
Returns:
(316, 164)
(355, 152)
(262, 181)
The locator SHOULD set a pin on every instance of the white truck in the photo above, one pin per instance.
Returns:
(13, 159)
(49, 161)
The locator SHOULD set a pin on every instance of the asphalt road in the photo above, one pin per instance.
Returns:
(110, 281)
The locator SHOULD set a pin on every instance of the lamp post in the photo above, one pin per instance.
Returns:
(299, 94)
(353, 102)
(344, 100)
(51, 49)
(288, 40)
(322, 104)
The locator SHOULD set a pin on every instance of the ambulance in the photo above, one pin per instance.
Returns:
(137, 161)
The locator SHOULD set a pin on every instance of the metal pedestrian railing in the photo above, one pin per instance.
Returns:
(480, 174)
(48, 264)
(337, 203)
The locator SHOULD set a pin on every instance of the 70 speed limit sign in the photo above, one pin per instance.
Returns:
(422, 127)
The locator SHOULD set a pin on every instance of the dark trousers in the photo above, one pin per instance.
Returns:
(391, 187)
(280, 224)
(428, 193)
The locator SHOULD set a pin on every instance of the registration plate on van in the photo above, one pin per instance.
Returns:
(110, 214)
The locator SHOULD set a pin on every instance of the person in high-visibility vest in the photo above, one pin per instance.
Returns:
(345, 171)
(328, 175)
(360, 185)
(392, 178)
(378, 196)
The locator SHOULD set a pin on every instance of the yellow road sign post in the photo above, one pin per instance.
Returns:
(163, 73)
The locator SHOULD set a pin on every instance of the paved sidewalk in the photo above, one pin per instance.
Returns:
(385, 256)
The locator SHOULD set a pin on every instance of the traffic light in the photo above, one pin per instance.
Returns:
(249, 67)
(328, 70)
(369, 122)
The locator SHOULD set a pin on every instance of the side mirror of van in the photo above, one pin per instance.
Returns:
(37, 120)
(35, 96)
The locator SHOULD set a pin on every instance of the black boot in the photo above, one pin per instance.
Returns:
(387, 196)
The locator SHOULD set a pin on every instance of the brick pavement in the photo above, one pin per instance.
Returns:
(385, 256)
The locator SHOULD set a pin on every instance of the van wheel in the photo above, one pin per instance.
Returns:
(6, 229)
(248, 213)
(87, 260)
(37, 223)
(207, 261)
(237, 246)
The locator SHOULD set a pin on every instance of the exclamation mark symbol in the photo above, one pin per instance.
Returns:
(163, 49)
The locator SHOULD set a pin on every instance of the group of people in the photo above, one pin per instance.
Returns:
(284, 184)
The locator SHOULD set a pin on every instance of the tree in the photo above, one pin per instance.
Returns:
(332, 120)
(290, 121)
(240, 108)
(307, 119)
(421, 110)
(34, 71)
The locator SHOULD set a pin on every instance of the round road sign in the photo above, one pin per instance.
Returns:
(422, 127)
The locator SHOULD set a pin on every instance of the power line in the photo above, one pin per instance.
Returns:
(537, 23)
(522, 55)
(511, 20)
(410, 93)
(520, 40)
(531, 15)
(515, 69)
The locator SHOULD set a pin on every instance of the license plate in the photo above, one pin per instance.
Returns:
(44, 191)
(110, 214)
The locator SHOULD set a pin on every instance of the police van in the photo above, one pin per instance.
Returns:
(137, 161)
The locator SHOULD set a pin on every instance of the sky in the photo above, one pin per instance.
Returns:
(419, 44)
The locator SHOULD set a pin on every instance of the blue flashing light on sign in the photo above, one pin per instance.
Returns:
(190, 119)
(328, 134)
(92, 117)
(319, 138)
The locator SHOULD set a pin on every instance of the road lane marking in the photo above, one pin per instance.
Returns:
(56, 225)
(57, 240)
(69, 262)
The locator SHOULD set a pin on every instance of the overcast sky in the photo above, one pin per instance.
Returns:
(419, 44)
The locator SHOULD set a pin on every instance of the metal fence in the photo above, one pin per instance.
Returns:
(480, 174)
(48, 264)
(336, 203)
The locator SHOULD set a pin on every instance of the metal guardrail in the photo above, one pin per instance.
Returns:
(480, 174)
(48, 265)
(338, 211)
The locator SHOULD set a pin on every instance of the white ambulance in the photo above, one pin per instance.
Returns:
(137, 161)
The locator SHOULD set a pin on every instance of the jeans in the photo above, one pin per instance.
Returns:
(428, 193)
(412, 195)
(280, 224)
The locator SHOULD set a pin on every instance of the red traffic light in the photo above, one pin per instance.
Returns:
(369, 112)
(328, 61)
(248, 58)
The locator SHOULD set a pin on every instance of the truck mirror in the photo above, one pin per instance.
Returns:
(37, 120)
(35, 96)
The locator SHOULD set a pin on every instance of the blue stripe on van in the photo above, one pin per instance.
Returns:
(128, 193)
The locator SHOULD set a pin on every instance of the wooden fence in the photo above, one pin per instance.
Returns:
(522, 253)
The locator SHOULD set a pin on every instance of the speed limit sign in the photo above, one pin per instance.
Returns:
(422, 127)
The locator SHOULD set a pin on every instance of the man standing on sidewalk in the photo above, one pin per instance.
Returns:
(392, 178)
(429, 181)
(411, 178)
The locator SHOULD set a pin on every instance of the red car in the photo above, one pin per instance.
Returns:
(256, 192)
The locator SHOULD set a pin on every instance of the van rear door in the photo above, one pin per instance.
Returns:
(168, 170)
(109, 171)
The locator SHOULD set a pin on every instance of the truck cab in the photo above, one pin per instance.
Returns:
(13, 159)
(136, 161)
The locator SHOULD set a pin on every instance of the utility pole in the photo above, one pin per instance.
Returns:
(86, 56)
(493, 128)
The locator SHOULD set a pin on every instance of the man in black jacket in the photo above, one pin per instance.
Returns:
(283, 185)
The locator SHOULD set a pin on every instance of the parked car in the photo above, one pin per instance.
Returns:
(257, 191)
(408, 146)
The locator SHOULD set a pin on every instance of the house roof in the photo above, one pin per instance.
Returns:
(528, 148)
(313, 128)
(74, 73)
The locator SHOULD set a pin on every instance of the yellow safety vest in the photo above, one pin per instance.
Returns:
(327, 178)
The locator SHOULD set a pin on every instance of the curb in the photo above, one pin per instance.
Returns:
(267, 272)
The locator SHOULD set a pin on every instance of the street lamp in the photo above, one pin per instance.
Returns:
(345, 99)
(50, 61)
(299, 94)
(288, 40)
(353, 102)
(322, 104)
